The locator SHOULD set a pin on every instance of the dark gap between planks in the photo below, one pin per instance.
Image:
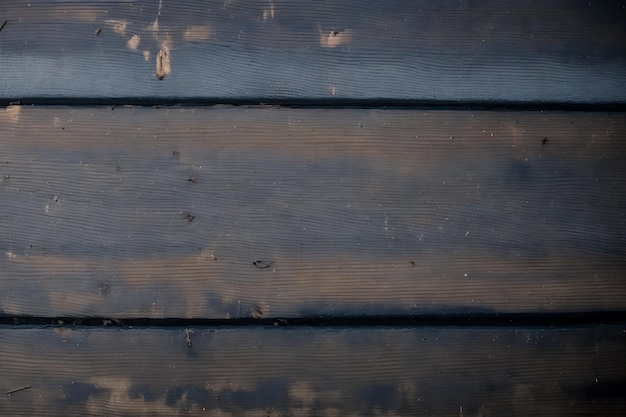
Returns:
(439, 320)
(318, 103)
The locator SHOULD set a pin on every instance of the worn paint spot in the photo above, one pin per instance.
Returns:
(146, 55)
(133, 42)
(268, 13)
(188, 338)
(198, 33)
(163, 63)
(332, 90)
(87, 14)
(11, 114)
(259, 311)
(256, 312)
(65, 333)
(334, 38)
(118, 26)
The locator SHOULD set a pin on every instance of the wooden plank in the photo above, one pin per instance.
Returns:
(142, 212)
(458, 51)
(314, 371)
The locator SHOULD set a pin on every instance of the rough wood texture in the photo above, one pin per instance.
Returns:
(458, 51)
(109, 214)
(141, 212)
(321, 372)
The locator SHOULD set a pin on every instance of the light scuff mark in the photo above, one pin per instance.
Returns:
(155, 25)
(11, 114)
(133, 42)
(77, 13)
(163, 67)
(198, 33)
(334, 38)
(118, 26)
(146, 55)
(268, 13)
(118, 397)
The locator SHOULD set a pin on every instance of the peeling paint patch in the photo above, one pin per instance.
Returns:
(163, 62)
(118, 26)
(146, 55)
(198, 33)
(133, 42)
(268, 13)
(334, 38)
(154, 27)
(12, 114)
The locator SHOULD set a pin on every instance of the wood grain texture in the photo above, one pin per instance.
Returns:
(556, 51)
(314, 371)
(142, 212)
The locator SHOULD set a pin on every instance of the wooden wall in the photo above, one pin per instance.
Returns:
(281, 208)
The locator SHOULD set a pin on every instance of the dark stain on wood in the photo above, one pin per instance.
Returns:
(263, 264)
(187, 216)
(13, 391)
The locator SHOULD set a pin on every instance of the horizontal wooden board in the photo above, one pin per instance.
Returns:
(313, 371)
(143, 212)
(460, 51)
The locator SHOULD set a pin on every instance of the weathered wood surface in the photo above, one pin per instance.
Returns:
(313, 371)
(142, 212)
(460, 51)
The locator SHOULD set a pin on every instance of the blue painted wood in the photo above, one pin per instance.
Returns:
(394, 51)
